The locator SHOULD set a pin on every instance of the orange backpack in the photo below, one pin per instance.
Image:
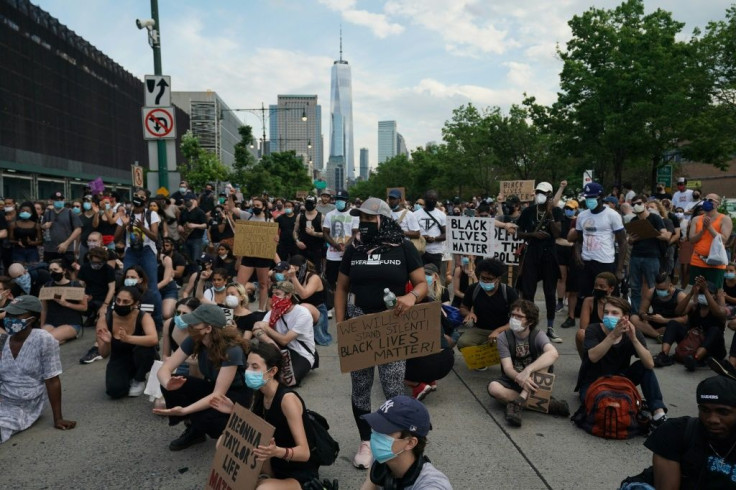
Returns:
(612, 409)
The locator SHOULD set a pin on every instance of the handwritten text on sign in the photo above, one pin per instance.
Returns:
(380, 338)
(523, 189)
(470, 236)
(255, 239)
(480, 356)
(235, 464)
(539, 400)
(61, 292)
(504, 246)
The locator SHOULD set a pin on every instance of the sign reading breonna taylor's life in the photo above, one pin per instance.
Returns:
(470, 236)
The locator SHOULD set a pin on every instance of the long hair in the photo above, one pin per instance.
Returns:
(221, 339)
(271, 355)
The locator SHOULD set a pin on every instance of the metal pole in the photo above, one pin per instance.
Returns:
(163, 168)
(263, 127)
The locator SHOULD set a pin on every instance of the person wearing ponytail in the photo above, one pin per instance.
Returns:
(60, 317)
(127, 335)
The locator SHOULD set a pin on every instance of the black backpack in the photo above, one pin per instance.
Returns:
(323, 449)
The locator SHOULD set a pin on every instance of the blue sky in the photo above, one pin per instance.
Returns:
(412, 61)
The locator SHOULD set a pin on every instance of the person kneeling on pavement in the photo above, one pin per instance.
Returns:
(663, 298)
(524, 350)
(398, 438)
(608, 348)
(29, 370)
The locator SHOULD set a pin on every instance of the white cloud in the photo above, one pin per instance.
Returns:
(378, 23)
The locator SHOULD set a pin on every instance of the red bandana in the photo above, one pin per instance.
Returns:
(279, 306)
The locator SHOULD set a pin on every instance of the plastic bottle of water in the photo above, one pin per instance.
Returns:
(389, 298)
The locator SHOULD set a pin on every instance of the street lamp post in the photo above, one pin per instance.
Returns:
(261, 112)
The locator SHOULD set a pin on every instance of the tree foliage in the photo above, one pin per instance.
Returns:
(200, 166)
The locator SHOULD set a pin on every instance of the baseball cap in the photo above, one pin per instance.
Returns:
(372, 205)
(544, 187)
(572, 204)
(24, 304)
(281, 266)
(394, 193)
(57, 196)
(611, 199)
(400, 413)
(310, 199)
(592, 189)
(209, 314)
(719, 390)
(431, 269)
(342, 195)
(325, 192)
(285, 286)
(513, 199)
(681, 180)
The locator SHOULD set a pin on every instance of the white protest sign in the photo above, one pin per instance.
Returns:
(505, 246)
(470, 236)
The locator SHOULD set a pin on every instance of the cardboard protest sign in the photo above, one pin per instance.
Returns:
(61, 292)
(480, 356)
(255, 239)
(523, 189)
(380, 338)
(301, 194)
(470, 236)
(642, 228)
(539, 400)
(235, 465)
(504, 246)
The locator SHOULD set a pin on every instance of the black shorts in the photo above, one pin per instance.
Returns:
(256, 262)
(564, 255)
(509, 383)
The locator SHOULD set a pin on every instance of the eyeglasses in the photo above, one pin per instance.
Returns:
(517, 316)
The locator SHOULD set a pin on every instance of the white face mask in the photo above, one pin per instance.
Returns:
(653, 211)
(232, 301)
(516, 325)
(540, 198)
(638, 208)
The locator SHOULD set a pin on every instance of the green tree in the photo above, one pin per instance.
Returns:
(244, 159)
(200, 166)
(280, 174)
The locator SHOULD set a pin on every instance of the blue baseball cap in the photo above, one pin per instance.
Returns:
(400, 413)
(394, 193)
(611, 199)
(593, 189)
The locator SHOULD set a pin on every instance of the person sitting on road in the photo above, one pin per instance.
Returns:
(609, 346)
(691, 452)
(287, 456)
(29, 370)
(220, 352)
(663, 298)
(592, 310)
(702, 311)
(60, 317)
(398, 439)
(529, 351)
(487, 305)
(25, 281)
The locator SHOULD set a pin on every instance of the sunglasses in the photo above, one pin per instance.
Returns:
(636, 203)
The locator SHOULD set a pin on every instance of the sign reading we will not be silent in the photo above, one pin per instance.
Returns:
(380, 338)
(235, 464)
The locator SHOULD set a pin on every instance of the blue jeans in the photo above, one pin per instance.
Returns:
(321, 334)
(639, 375)
(638, 267)
(193, 248)
(25, 256)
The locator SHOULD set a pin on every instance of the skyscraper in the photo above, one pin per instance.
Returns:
(364, 163)
(289, 132)
(401, 148)
(341, 117)
(387, 140)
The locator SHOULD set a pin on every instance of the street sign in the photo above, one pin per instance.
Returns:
(157, 91)
(664, 175)
(158, 123)
(137, 172)
(587, 177)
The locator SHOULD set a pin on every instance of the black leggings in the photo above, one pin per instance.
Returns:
(430, 368)
(540, 262)
(126, 366)
(209, 421)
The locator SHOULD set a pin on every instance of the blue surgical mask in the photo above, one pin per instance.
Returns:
(708, 206)
(610, 322)
(487, 286)
(340, 205)
(87, 206)
(24, 282)
(182, 190)
(220, 289)
(417, 207)
(382, 447)
(591, 203)
(179, 323)
(729, 275)
(254, 379)
(569, 213)
(24, 215)
(662, 292)
(76, 210)
(288, 210)
(130, 282)
(15, 325)
(279, 277)
(58, 204)
(702, 299)
(464, 260)
(429, 279)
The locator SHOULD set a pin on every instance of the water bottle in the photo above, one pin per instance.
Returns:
(389, 299)
(47, 234)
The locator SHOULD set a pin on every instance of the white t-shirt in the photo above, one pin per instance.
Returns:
(147, 242)
(341, 226)
(598, 234)
(428, 227)
(409, 223)
(682, 199)
(297, 320)
(629, 196)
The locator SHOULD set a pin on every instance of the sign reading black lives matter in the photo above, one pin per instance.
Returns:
(380, 338)
(479, 236)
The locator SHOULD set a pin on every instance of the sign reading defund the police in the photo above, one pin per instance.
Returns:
(480, 236)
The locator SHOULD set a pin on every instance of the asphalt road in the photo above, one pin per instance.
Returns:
(121, 444)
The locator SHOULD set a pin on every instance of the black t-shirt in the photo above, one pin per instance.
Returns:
(616, 360)
(56, 314)
(700, 467)
(492, 310)
(650, 246)
(370, 275)
(529, 220)
(96, 282)
(312, 242)
(195, 216)
(215, 234)
(87, 227)
(286, 229)
(245, 323)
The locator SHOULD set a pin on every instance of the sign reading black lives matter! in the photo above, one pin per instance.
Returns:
(380, 338)
(480, 236)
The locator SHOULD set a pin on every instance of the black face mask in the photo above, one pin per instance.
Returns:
(123, 310)
(279, 207)
(310, 205)
(368, 231)
(257, 211)
(57, 276)
(599, 294)
(138, 202)
(429, 204)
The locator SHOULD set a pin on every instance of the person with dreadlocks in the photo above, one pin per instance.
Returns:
(380, 257)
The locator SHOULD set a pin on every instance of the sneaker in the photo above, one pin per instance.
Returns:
(480, 370)
(662, 360)
(190, 437)
(560, 306)
(513, 411)
(91, 356)
(553, 336)
(690, 363)
(136, 388)
(433, 385)
(364, 457)
(723, 368)
(329, 314)
(568, 323)
(421, 391)
(655, 424)
(558, 407)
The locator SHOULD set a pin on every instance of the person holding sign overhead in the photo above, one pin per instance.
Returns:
(380, 258)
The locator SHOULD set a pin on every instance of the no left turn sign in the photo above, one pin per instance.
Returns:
(158, 123)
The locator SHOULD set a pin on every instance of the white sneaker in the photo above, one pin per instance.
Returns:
(364, 457)
(136, 388)
(329, 314)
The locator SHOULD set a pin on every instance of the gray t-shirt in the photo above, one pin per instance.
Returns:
(324, 208)
(430, 479)
(522, 357)
(63, 224)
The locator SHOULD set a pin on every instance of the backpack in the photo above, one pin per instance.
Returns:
(612, 409)
(323, 449)
(477, 290)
